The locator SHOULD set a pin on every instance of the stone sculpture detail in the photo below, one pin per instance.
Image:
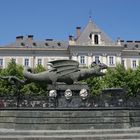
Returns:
(65, 71)
(53, 93)
(68, 94)
(13, 80)
(83, 94)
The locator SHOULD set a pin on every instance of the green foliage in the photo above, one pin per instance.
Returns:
(16, 70)
(95, 85)
(12, 70)
(34, 88)
(120, 77)
(117, 77)
(39, 68)
(138, 80)
(134, 81)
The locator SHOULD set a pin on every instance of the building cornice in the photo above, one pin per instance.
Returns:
(86, 45)
(130, 50)
(32, 49)
(95, 48)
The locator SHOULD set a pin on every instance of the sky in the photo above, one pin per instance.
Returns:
(57, 19)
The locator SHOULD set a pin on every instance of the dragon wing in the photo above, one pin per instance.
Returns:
(64, 67)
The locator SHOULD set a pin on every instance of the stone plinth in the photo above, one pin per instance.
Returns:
(63, 87)
(62, 119)
(68, 96)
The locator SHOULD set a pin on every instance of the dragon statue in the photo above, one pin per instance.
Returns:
(65, 71)
(62, 71)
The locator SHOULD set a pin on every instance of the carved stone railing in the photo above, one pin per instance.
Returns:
(60, 101)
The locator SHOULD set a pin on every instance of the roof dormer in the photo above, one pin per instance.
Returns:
(93, 35)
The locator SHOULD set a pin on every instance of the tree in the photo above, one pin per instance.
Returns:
(115, 77)
(39, 68)
(133, 81)
(12, 70)
(95, 85)
(138, 79)
(120, 77)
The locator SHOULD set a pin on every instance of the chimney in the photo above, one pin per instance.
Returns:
(70, 37)
(78, 30)
(19, 39)
(30, 38)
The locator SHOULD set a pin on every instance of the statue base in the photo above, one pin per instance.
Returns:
(68, 96)
(63, 87)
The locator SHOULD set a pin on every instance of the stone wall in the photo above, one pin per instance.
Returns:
(57, 119)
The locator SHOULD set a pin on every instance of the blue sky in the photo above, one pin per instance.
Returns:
(58, 19)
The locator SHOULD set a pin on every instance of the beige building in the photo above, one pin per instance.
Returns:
(90, 44)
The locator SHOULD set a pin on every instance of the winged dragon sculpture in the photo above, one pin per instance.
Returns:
(66, 71)
(63, 71)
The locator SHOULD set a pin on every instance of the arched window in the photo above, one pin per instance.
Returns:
(96, 39)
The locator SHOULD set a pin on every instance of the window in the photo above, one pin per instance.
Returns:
(125, 45)
(123, 63)
(34, 44)
(136, 46)
(134, 64)
(46, 44)
(59, 44)
(96, 40)
(22, 44)
(97, 59)
(90, 36)
(111, 60)
(1, 62)
(39, 61)
(26, 62)
(82, 59)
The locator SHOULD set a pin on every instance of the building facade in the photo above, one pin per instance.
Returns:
(90, 44)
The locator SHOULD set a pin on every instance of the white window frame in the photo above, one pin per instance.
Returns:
(42, 59)
(132, 63)
(39, 61)
(113, 61)
(125, 60)
(97, 56)
(82, 59)
(2, 65)
(28, 62)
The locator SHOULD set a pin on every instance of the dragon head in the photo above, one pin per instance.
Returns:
(98, 65)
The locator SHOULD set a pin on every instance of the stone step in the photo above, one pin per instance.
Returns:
(67, 132)
(104, 134)
(76, 137)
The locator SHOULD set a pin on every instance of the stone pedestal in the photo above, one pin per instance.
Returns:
(67, 119)
(68, 96)
(69, 124)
